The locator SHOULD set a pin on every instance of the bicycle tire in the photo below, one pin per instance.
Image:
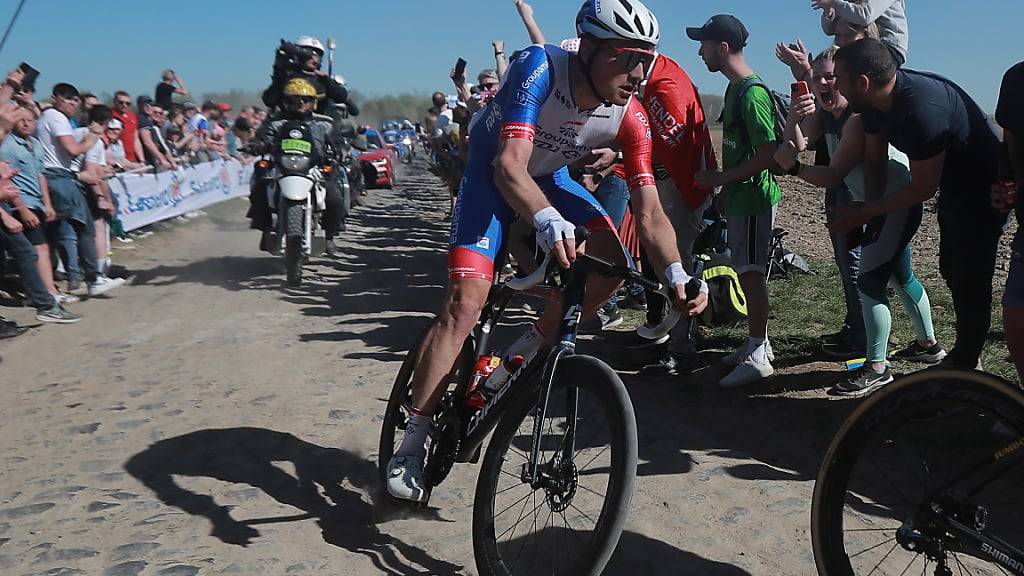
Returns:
(295, 224)
(904, 401)
(400, 391)
(591, 375)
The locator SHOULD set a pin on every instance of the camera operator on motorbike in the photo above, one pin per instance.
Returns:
(299, 99)
(554, 108)
(302, 60)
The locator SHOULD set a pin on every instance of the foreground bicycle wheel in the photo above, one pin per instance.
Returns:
(572, 523)
(925, 477)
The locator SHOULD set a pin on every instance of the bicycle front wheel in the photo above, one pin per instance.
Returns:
(571, 520)
(925, 478)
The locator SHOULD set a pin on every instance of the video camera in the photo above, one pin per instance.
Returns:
(289, 56)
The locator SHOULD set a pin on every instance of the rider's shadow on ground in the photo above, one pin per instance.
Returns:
(347, 517)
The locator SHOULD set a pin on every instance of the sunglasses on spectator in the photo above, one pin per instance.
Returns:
(124, 102)
(489, 85)
(630, 58)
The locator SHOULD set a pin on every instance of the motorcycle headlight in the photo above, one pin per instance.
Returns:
(407, 141)
(294, 162)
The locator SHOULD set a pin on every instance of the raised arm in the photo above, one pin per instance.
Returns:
(526, 13)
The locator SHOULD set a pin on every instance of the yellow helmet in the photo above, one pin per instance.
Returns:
(299, 87)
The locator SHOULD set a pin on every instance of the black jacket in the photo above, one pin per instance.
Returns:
(328, 91)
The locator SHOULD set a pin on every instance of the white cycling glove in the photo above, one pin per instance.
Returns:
(675, 275)
(551, 228)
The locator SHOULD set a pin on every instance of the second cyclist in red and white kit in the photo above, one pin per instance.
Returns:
(554, 108)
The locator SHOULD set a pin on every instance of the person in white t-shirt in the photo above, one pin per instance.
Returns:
(74, 227)
(93, 171)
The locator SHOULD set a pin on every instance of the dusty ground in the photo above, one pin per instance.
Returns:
(207, 420)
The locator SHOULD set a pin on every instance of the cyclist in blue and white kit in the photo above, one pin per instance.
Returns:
(554, 109)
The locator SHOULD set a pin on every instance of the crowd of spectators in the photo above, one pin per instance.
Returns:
(57, 213)
(950, 149)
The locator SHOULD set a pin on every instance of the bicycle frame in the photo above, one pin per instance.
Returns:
(975, 542)
(483, 422)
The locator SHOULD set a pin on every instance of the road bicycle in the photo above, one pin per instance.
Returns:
(557, 478)
(925, 477)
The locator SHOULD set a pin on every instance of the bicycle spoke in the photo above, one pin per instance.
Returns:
(574, 532)
(585, 515)
(894, 546)
(513, 504)
(872, 548)
(912, 560)
(527, 539)
(961, 564)
(894, 528)
(594, 458)
(579, 485)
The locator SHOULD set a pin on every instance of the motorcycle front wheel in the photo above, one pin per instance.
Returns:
(295, 225)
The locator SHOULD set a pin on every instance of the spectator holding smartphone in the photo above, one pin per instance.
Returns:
(951, 147)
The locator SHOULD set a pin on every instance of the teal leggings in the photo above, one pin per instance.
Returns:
(877, 316)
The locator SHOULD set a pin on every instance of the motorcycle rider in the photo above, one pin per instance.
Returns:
(299, 98)
(302, 60)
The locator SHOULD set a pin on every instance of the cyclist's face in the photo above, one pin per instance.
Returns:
(619, 67)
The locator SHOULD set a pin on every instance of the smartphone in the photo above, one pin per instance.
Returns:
(460, 67)
(799, 89)
(30, 75)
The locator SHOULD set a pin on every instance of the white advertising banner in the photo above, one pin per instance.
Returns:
(147, 198)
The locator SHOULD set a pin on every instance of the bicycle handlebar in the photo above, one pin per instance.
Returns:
(603, 268)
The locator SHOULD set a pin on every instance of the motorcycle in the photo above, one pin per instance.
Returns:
(406, 147)
(296, 177)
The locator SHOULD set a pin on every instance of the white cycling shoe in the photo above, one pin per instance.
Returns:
(405, 479)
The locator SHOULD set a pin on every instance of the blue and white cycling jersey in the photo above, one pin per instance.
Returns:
(536, 103)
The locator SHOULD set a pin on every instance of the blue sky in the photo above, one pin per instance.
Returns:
(391, 46)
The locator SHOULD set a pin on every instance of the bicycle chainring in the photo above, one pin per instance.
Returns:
(444, 446)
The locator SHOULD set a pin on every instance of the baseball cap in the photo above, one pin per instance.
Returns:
(115, 124)
(224, 107)
(144, 99)
(721, 28)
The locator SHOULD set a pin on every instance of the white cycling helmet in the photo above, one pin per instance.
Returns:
(311, 43)
(618, 19)
(339, 79)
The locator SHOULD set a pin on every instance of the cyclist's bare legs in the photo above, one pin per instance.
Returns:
(464, 301)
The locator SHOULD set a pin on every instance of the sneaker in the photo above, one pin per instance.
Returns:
(268, 242)
(103, 284)
(11, 331)
(125, 239)
(842, 350)
(925, 354)
(674, 365)
(747, 372)
(57, 315)
(405, 478)
(861, 382)
(610, 317)
(65, 298)
(740, 354)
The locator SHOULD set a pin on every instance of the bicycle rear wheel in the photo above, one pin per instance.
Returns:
(934, 448)
(572, 523)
